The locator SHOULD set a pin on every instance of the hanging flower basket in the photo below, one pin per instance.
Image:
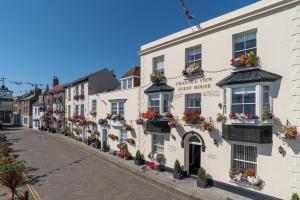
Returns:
(251, 60)
(81, 96)
(289, 132)
(173, 123)
(130, 141)
(157, 78)
(208, 126)
(113, 137)
(191, 117)
(221, 118)
(76, 97)
(108, 116)
(103, 122)
(117, 118)
(140, 121)
(93, 113)
(128, 127)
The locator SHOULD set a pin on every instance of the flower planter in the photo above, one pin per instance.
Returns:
(117, 123)
(177, 175)
(201, 183)
(242, 121)
(139, 162)
(268, 121)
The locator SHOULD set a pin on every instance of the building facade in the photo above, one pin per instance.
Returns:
(38, 111)
(243, 67)
(77, 104)
(6, 106)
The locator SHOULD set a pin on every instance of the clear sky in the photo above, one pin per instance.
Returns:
(71, 38)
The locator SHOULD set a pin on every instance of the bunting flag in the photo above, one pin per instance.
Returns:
(26, 83)
(186, 11)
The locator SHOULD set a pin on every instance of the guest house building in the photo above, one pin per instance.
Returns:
(77, 103)
(222, 95)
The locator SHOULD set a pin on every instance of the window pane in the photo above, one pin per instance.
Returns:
(166, 103)
(130, 83)
(124, 84)
(249, 98)
(250, 40)
(158, 64)
(251, 50)
(239, 43)
(237, 108)
(238, 54)
(249, 108)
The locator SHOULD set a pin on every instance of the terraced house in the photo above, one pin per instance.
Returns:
(77, 103)
(222, 95)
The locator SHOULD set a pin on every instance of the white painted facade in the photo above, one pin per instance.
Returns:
(37, 113)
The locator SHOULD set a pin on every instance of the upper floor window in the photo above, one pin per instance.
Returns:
(127, 83)
(194, 55)
(69, 94)
(243, 100)
(117, 108)
(94, 105)
(69, 110)
(159, 65)
(77, 90)
(76, 109)
(193, 102)
(244, 44)
(244, 157)
(82, 89)
(82, 110)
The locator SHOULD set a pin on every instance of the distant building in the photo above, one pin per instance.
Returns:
(6, 106)
(38, 108)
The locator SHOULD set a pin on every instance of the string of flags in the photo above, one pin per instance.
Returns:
(25, 83)
(186, 11)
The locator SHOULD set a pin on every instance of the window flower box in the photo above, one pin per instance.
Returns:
(251, 60)
(173, 123)
(157, 78)
(113, 137)
(246, 176)
(151, 115)
(248, 118)
(117, 121)
(191, 117)
(103, 122)
(192, 69)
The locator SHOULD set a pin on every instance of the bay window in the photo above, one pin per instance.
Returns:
(266, 99)
(159, 102)
(243, 100)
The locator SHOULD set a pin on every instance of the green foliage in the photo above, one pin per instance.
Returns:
(105, 145)
(85, 141)
(18, 166)
(122, 146)
(138, 155)
(98, 143)
(201, 174)
(177, 166)
(295, 196)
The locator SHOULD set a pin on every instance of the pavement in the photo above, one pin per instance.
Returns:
(61, 168)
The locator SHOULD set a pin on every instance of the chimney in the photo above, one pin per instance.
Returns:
(55, 81)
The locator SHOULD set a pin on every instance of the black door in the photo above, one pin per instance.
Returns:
(194, 159)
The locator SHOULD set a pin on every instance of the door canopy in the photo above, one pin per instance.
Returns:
(193, 133)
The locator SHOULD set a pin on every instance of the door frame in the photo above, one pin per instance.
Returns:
(187, 151)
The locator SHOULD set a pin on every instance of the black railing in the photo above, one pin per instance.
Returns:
(253, 134)
(159, 126)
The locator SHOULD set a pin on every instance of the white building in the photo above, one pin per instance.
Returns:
(38, 113)
(77, 101)
(200, 79)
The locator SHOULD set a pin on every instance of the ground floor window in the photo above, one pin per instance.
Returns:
(158, 143)
(244, 157)
(123, 136)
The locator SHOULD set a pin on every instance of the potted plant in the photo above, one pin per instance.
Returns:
(127, 127)
(103, 122)
(140, 121)
(173, 123)
(161, 160)
(289, 132)
(130, 141)
(139, 158)
(295, 196)
(266, 117)
(105, 147)
(250, 60)
(177, 173)
(192, 69)
(151, 115)
(201, 178)
(113, 137)
(208, 126)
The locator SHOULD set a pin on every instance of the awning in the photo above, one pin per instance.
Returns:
(249, 76)
(159, 88)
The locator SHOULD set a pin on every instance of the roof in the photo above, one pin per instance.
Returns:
(37, 103)
(103, 80)
(159, 88)
(134, 71)
(56, 89)
(249, 76)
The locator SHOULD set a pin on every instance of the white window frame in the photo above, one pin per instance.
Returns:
(123, 136)
(118, 106)
(125, 83)
(195, 60)
(192, 95)
(244, 160)
(159, 68)
(156, 147)
(161, 100)
(244, 34)
(243, 94)
(94, 106)
(258, 96)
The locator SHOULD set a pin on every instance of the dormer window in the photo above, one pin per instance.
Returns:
(127, 83)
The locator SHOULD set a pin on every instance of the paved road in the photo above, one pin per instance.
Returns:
(60, 171)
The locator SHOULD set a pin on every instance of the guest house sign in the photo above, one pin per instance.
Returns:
(196, 85)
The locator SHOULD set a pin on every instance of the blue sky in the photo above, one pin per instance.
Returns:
(71, 38)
